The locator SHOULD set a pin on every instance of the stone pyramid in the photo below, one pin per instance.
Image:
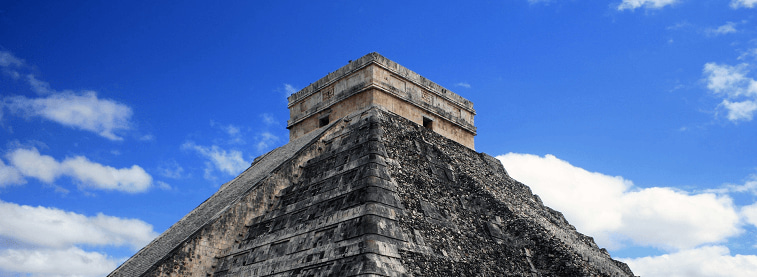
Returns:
(373, 193)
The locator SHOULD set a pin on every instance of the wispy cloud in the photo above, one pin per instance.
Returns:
(234, 132)
(647, 4)
(9, 64)
(729, 27)
(463, 84)
(172, 170)
(54, 237)
(9, 60)
(163, 185)
(289, 89)
(30, 163)
(743, 4)
(737, 90)
(749, 186)
(265, 141)
(82, 110)
(230, 162)
(269, 120)
(229, 155)
(39, 86)
(147, 137)
(679, 26)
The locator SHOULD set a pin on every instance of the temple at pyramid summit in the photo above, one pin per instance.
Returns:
(376, 81)
(379, 178)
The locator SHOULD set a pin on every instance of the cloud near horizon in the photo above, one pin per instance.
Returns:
(707, 261)
(53, 237)
(617, 213)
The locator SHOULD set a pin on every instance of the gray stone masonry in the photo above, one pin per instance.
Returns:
(373, 194)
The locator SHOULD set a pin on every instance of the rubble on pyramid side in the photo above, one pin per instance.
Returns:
(373, 194)
(478, 220)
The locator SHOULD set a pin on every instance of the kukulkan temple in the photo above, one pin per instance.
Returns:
(379, 178)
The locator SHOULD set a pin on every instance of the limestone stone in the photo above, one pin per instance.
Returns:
(374, 80)
(372, 193)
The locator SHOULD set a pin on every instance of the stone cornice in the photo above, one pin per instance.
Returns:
(464, 125)
(389, 65)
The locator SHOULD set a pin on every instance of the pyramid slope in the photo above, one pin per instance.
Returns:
(208, 211)
(373, 194)
(478, 220)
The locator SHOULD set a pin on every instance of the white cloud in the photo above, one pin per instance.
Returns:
(10, 175)
(728, 28)
(730, 81)
(30, 163)
(230, 162)
(56, 262)
(743, 3)
(133, 179)
(48, 238)
(664, 217)
(710, 261)
(738, 91)
(737, 111)
(648, 4)
(83, 111)
(612, 210)
(55, 228)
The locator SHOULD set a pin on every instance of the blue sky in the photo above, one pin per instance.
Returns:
(635, 118)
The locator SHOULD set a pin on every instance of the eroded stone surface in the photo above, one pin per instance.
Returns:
(374, 194)
(374, 80)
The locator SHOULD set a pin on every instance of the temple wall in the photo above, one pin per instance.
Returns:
(375, 80)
